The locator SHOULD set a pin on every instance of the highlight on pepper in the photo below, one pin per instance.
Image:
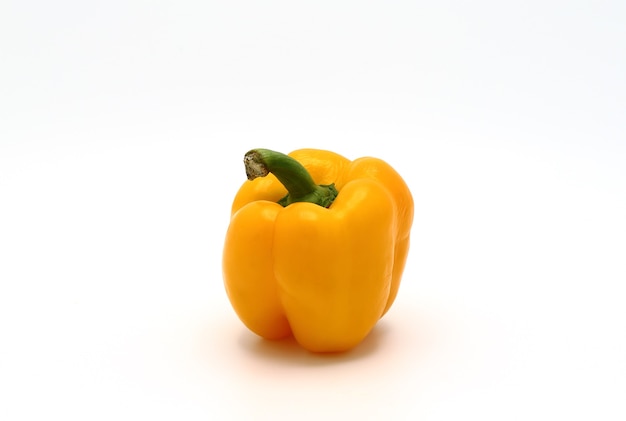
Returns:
(316, 246)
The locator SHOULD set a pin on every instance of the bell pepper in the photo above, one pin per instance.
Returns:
(316, 246)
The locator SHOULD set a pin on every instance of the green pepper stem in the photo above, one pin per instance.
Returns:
(292, 175)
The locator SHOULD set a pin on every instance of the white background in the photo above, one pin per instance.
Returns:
(122, 129)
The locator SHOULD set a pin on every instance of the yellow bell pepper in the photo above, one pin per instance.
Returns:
(316, 246)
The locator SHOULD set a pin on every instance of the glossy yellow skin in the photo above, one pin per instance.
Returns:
(324, 275)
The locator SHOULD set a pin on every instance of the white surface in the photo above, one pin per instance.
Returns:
(122, 129)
